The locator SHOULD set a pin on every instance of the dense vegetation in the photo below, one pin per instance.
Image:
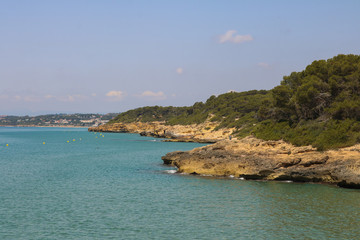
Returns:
(318, 106)
(149, 114)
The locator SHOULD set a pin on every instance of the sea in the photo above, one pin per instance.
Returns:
(68, 183)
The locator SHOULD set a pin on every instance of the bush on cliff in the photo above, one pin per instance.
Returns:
(322, 135)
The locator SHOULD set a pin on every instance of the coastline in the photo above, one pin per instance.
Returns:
(202, 133)
(249, 158)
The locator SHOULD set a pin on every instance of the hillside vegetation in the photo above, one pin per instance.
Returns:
(318, 106)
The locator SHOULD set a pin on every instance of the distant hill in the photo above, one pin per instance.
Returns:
(319, 106)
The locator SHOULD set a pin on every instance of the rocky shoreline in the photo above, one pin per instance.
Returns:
(249, 158)
(203, 133)
(255, 159)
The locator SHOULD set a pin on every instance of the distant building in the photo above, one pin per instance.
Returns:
(87, 121)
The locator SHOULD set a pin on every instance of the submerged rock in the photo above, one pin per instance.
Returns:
(251, 158)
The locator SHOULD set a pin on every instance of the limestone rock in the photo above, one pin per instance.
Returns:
(204, 132)
(251, 158)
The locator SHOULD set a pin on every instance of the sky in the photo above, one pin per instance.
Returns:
(88, 56)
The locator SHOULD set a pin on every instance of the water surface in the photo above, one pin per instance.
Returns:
(115, 187)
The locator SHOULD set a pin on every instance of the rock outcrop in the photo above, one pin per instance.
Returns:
(251, 158)
(204, 132)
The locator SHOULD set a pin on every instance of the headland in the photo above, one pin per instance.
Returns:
(306, 129)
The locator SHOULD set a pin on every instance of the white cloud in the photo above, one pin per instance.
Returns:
(68, 98)
(18, 98)
(71, 98)
(179, 70)
(264, 65)
(231, 36)
(32, 99)
(49, 96)
(93, 94)
(153, 95)
(115, 95)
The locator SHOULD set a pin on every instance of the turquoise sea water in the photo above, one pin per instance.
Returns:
(115, 187)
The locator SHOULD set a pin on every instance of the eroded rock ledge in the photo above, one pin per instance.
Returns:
(204, 132)
(251, 158)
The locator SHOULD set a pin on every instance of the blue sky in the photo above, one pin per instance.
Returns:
(111, 56)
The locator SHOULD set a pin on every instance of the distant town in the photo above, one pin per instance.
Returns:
(57, 120)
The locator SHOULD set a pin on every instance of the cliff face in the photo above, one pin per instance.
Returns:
(251, 158)
(185, 133)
